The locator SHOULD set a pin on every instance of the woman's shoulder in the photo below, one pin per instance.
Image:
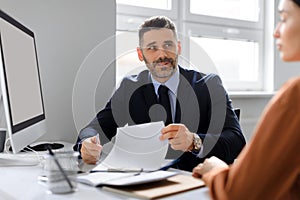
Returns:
(292, 84)
(289, 92)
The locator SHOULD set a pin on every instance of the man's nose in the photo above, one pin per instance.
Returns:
(162, 53)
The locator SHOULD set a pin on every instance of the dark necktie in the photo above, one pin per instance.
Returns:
(165, 102)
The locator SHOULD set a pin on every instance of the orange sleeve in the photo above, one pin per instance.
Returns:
(269, 167)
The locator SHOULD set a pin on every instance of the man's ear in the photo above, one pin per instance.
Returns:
(179, 47)
(140, 53)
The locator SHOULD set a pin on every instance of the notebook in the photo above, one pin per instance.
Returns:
(173, 185)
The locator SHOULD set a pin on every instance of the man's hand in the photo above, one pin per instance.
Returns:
(179, 136)
(90, 150)
(208, 165)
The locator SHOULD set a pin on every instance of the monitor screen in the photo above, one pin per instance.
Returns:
(21, 90)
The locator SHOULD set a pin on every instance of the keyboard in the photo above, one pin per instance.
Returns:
(25, 159)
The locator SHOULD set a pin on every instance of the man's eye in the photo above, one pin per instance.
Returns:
(152, 48)
(168, 46)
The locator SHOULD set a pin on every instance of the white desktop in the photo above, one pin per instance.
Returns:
(21, 182)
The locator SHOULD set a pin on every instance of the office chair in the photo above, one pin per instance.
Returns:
(237, 112)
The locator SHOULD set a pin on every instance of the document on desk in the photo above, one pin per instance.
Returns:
(122, 178)
(137, 147)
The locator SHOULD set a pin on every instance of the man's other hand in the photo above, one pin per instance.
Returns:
(91, 150)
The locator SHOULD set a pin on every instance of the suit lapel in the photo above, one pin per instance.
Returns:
(188, 101)
(183, 96)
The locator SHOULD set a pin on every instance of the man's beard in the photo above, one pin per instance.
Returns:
(162, 72)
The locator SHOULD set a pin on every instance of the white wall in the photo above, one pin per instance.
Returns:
(66, 31)
(284, 71)
(251, 107)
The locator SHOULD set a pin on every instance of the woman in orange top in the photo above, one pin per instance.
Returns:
(269, 167)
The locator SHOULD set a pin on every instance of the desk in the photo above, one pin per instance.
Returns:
(21, 183)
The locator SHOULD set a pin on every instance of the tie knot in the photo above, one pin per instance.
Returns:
(163, 89)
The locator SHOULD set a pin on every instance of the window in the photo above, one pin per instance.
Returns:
(158, 4)
(232, 9)
(127, 59)
(236, 60)
(236, 53)
(229, 31)
(147, 8)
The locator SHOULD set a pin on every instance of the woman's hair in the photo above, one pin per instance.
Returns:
(297, 2)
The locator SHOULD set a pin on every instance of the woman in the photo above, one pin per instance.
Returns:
(269, 167)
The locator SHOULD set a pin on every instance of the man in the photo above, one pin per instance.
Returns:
(199, 118)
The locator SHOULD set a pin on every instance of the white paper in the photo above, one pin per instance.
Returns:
(140, 179)
(137, 147)
(99, 178)
(123, 179)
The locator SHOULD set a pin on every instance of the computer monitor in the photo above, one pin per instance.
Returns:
(21, 92)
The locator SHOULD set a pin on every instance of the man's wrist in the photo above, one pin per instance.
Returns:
(196, 144)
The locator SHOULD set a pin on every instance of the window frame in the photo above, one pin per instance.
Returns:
(198, 18)
(190, 24)
(211, 31)
(148, 12)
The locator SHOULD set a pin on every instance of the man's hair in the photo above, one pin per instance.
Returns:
(297, 2)
(156, 22)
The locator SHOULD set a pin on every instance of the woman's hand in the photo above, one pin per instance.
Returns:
(208, 165)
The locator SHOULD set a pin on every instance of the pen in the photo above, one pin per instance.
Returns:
(59, 167)
(122, 170)
(97, 139)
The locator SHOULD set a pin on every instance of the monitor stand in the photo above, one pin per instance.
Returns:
(41, 147)
(44, 146)
(26, 159)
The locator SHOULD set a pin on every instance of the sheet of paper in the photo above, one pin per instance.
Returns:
(140, 179)
(123, 179)
(137, 147)
(96, 179)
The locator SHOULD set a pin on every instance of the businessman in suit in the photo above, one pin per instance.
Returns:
(199, 118)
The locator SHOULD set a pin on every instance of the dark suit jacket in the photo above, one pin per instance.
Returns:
(202, 105)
